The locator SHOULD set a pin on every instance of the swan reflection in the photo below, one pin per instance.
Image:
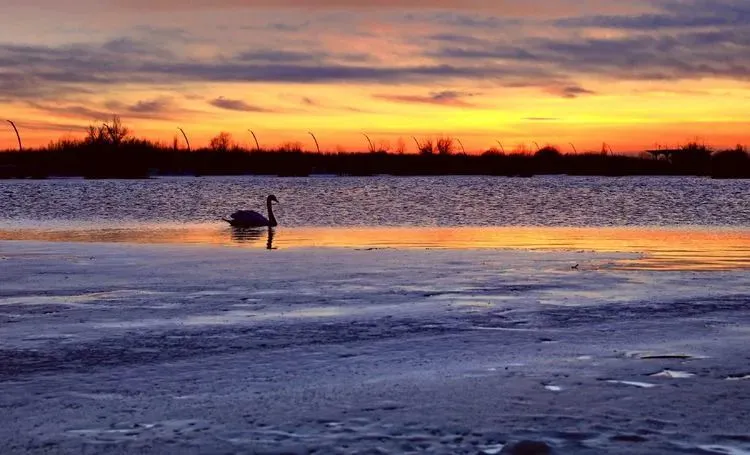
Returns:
(253, 235)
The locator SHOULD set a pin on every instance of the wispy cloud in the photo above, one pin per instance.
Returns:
(236, 105)
(444, 98)
(570, 91)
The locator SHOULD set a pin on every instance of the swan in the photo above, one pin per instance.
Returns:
(251, 218)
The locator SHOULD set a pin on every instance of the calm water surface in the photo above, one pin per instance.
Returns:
(384, 201)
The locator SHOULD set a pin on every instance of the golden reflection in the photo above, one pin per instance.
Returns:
(252, 236)
(661, 248)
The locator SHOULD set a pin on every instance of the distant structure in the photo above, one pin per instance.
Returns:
(666, 154)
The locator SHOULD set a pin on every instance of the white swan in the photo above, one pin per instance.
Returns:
(251, 218)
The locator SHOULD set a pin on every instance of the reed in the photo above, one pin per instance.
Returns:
(18, 136)
(186, 138)
(317, 145)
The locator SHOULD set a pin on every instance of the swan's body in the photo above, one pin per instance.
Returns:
(251, 218)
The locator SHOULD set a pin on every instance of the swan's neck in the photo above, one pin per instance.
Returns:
(271, 219)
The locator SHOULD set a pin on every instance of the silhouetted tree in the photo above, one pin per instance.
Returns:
(548, 153)
(290, 147)
(427, 147)
(108, 133)
(222, 142)
(692, 158)
(493, 151)
(444, 145)
(731, 163)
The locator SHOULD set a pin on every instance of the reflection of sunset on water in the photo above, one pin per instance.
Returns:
(662, 249)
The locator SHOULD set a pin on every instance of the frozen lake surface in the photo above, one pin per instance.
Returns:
(123, 348)
(385, 315)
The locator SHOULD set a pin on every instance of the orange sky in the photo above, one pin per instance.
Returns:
(633, 74)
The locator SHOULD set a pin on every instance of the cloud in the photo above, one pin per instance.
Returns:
(279, 56)
(570, 91)
(131, 47)
(162, 107)
(687, 55)
(236, 105)
(674, 40)
(50, 126)
(149, 106)
(673, 14)
(73, 111)
(522, 8)
(444, 98)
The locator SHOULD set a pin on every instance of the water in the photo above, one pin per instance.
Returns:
(676, 223)
(381, 201)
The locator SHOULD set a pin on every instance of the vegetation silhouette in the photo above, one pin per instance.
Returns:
(109, 150)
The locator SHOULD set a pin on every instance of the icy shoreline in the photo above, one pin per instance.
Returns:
(176, 349)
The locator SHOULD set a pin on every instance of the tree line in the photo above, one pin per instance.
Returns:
(110, 150)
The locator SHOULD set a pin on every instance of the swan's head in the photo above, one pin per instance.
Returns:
(271, 199)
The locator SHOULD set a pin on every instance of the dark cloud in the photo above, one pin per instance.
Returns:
(50, 126)
(570, 91)
(445, 98)
(687, 55)
(279, 56)
(158, 108)
(236, 105)
(673, 14)
(291, 73)
(149, 106)
(131, 47)
(682, 39)
(455, 38)
(73, 111)
(461, 20)
(317, 104)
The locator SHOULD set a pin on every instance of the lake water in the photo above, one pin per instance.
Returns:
(382, 201)
(680, 223)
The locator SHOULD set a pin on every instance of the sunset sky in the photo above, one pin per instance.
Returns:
(633, 74)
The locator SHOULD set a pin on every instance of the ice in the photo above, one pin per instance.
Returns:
(642, 385)
(195, 349)
(673, 374)
(724, 450)
(739, 378)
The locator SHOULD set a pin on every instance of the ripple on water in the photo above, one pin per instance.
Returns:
(387, 201)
